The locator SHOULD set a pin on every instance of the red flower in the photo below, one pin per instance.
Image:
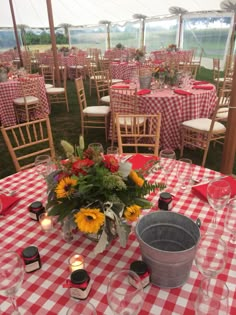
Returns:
(80, 166)
(111, 163)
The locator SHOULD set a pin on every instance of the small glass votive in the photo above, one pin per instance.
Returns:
(112, 150)
(46, 222)
(76, 262)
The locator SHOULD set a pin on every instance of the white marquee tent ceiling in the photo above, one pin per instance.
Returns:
(33, 13)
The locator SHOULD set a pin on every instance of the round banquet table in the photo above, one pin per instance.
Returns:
(123, 70)
(42, 291)
(175, 109)
(10, 90)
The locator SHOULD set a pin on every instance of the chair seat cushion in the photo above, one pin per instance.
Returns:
(113, 81)
(48, 86)
(103, 110)
(128, 121)
(76, 67)
(54, 90)
(29, 100)
(222, 113)
(105, 99)
(204, 124)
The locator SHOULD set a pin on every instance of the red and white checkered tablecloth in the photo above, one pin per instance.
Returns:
(174, 110)
(42, 291)
(10, 90)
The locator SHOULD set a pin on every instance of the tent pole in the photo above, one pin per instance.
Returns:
(180, 30)
(142, 33)
(53, 39)
(16, 33)
(229, 149)
(108, 36)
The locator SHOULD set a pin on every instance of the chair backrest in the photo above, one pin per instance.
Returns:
(102, 83)
(138, 131)
(123, 101)
(79, 85)
(49, 74)
(26, 141)
(29, 86)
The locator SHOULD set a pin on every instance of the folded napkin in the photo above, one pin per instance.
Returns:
(182, 92)
(200, 190)
(8, 202)
(200, 82)
(115, 62)
(120, 86)
(143, 92)
(127, 81)
(203, 87)
(140, 161)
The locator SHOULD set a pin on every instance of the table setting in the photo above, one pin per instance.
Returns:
(50, 286)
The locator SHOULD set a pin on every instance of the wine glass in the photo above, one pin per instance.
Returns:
(212, 297)
(82, 308)
(211, 255)
(167, 161)
(43, 165)
(11, 275)
(125, 293)
(161, 80)
(184, 172)
(230, 220)
(97, 147)
(218, 194)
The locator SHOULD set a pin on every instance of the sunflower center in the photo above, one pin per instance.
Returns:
(90, 218)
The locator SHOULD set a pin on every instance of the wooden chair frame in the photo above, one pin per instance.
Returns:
(92, 117)
(200, 132)
(26, 141)
(136, 133)
(58, 95)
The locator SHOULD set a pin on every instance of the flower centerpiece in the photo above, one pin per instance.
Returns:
(138, 55)
(172, 47)
(5, 70)
(170, 74)
(101, 195)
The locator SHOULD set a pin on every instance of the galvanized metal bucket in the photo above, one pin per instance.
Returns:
(168, 245)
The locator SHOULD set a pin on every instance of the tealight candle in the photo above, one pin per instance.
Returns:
(46, 222)
(76, 262)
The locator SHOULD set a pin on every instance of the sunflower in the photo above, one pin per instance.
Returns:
(89, 220)
(136, 179)
(65, 187)
(132, 213)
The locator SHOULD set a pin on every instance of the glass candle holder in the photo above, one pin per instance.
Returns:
(46, 222)
(76, 262)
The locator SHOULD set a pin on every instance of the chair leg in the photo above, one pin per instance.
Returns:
(205, 155)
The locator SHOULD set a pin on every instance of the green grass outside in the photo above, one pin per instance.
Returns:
(67, 126)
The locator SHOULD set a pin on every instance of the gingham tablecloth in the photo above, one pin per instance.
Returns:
(174, 110)
(10, 90)
(42, 291)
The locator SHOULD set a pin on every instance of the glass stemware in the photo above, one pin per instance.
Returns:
(211, 255)
(167, 161)
(230, 220)
(184, 172)
(43, 165)
(212, 297)
(11, 275)
(218, 195)
(125, 293)
(82, 308)
(97, 147)
(161, 80)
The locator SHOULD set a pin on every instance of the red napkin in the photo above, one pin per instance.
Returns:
(200, 82)
(201, 189)
(138, 160)
(182, 92)
(120, 86)
(8, 202)
(115, 62)
(143, 92)
(127, 81)
(203, 87)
